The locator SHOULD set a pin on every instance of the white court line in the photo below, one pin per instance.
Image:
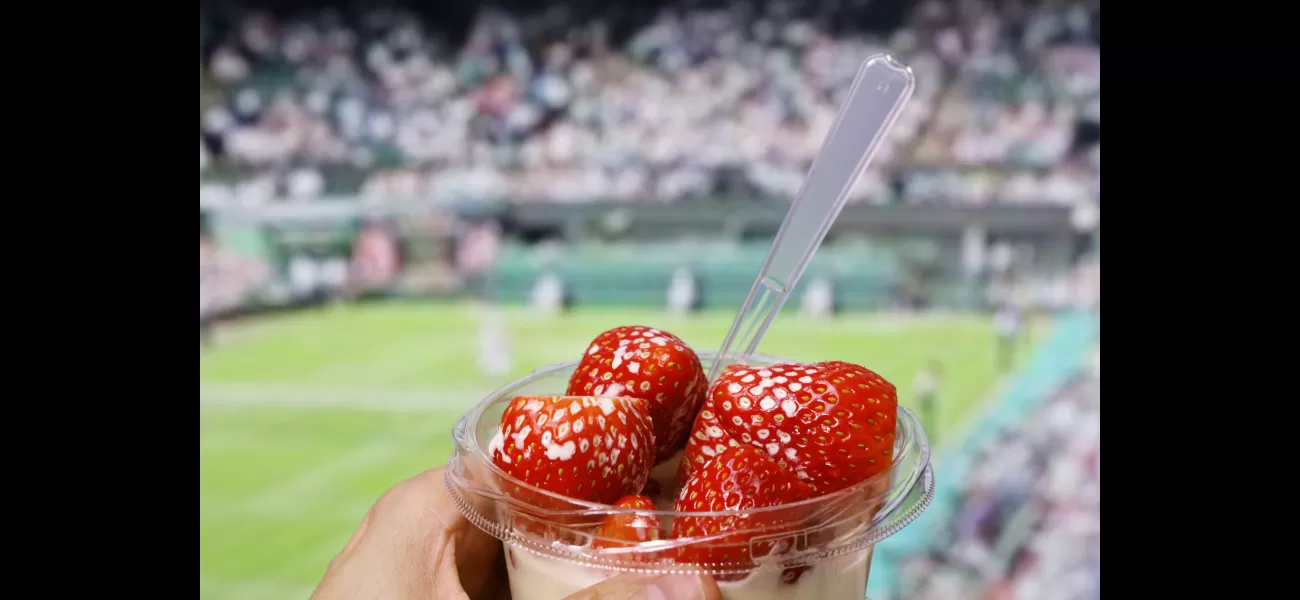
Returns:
(293, 396)
(253, 589)
(302, 490)
(903, 323)
(398, 356)
(308, 490)
(293, 495)
(305, 493)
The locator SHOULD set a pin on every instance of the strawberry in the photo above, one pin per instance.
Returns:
(707, 438)
(626, 530)
(739, 478)
(831, 422)
(582, 447)
(646, 363)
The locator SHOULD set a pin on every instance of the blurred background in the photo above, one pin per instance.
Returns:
(404, 205)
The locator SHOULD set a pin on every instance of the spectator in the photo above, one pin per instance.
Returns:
(375, 259)
(226, 281)
(696, 101)
(926, 387)
(1008, 323)
(1029, 525)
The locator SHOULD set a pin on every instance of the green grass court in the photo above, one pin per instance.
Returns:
(304, 420)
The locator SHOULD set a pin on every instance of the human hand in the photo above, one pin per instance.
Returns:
(415, 545)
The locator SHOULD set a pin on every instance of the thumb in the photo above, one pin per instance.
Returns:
(633, 586)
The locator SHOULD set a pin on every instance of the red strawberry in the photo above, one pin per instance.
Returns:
(651, 364)
(707, 441)
(633, 529)
(740, 478)
(832, 422)
(707, 438)
(587, 448)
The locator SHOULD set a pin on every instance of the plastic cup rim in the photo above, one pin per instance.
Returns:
(465, 434)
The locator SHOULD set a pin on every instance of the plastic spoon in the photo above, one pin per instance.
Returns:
(880, 90)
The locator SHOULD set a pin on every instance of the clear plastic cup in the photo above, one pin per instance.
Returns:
(821, 549)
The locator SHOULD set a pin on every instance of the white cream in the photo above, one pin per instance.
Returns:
(537, 577)
(534, 577)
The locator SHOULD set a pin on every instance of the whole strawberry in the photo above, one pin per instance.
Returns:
(832, 423)
(707, 440)
(582, 447)
(625, 530)
(739, 478)
(651, 364)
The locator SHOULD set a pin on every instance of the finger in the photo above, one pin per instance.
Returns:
(352, 542)
(631, 586)
(356, 537)
(397, 546)
(477, 554)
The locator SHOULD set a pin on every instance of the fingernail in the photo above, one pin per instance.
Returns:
(676, 587)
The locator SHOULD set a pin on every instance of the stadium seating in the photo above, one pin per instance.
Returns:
(664, 102)
(688, 106)
(696, 103)
(1029, 525)
(1019, 506)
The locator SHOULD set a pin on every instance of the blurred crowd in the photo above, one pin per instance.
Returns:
(1028, 526)
(225, 278)
(561, 104)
